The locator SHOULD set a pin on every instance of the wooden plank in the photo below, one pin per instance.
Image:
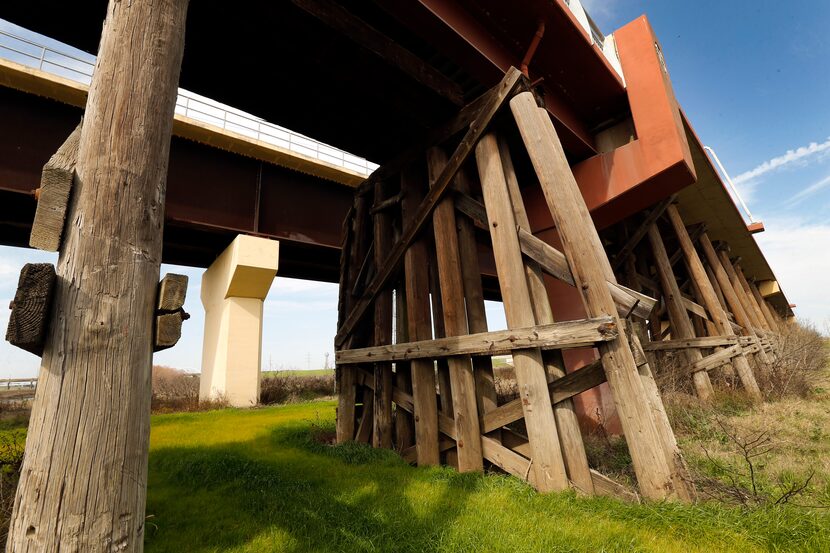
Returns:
(567, 334)
(507, 460)
(382, 331)
(681, 323)
(570, 437)
(555, 264)
(549, 471)
(637, 236)
(704, 342)
(478, 126)
(570, 385)
(30, 309)
(53, 195)
(442, 366)
(168, 329)
(716, 359)
(591, 271)
(404, 422)
(416, 283)
(465, 406)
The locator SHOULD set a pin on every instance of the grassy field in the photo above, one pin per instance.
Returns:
(257, 481)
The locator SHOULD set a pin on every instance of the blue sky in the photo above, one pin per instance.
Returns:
(754, 79)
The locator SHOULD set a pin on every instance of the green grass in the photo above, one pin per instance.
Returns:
(298, 372)
(256, 481)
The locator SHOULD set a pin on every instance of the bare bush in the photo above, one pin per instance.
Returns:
(507, 388)
(802, 356)
(286, 388)
(175, 390)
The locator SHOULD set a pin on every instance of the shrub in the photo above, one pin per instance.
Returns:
(286, 388)
(175, 391)
(802, 356)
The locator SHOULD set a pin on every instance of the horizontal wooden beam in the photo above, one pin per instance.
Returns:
(567, 334)
(707, 342)
(716, 359)
(585, 378)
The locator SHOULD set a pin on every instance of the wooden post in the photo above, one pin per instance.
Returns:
(465, 411)
(570, 437)
(438, 331)
(590, 267)
(679, 317)
(486, 396)
(83, 480)
(768, 314)
(383, 231)
(420, 328)
(404, 423)
(710, 299)
(548, 466)
(759, 313)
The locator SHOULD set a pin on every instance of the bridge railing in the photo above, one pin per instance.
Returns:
(33, 53)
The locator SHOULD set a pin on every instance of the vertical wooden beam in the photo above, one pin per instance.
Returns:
(570, 437)
(679, 317)
(710, 299)
(83, 480)
(759, 313)
(474, 298)
(438, 330)
(548, 466)
(404, 423)
(465, 411)
(416, 279)
(382, 335)
(590, 267)
(768, 314)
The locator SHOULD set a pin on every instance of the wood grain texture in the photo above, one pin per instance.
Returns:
(83, 480)
(53, 199)
(591, 271)
(382, 330)
(548, 468)
(567, 334)
(465, 406)
(31, 308)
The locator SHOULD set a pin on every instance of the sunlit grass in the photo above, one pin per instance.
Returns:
(256, 481)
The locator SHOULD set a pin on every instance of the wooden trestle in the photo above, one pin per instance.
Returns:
(410, 263)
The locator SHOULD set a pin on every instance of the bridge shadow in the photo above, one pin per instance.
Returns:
(286, 492)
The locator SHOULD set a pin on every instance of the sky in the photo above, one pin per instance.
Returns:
(754, 80)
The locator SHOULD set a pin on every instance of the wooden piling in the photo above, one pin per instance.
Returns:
(382, 332)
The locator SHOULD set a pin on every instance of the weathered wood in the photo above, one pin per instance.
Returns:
(768, 314)
(507, 460)
(753, 316)
(404, 422)
(759, 313)
(168, 329)
(570, 437)
(479, 124)
(53, 195)
(549, 471)
(172, 292)
(416, 282)
(31, 307)
(553, 262)
(567, 334)
(640, 232)
(83, 480)
(365, 427)
(704, 342)
(486, 396)
(585, 378)
(465, 407)
(442, 367)
(716, 359)
(382, 334)
(681, 324)
(719, 318)
(591, 270)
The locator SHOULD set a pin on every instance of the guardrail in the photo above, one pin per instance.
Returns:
(17, 383)
(188, 104)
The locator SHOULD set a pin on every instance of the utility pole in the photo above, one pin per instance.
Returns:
(84, 476)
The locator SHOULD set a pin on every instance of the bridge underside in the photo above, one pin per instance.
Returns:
(211, 197)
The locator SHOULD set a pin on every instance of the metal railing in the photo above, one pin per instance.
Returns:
(40, 56)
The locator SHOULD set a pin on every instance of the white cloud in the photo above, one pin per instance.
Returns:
(809, 191)
(796, 251)
(791, 156)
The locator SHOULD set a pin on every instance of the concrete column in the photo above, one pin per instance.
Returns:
(233, 289)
